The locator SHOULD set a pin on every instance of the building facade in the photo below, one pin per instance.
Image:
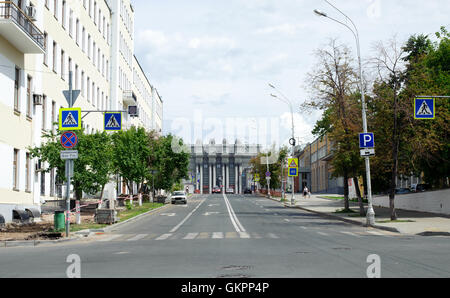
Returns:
(41, 43)
(315, 170)
(221, 165)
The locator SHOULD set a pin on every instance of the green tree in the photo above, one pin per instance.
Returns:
(92, 169)
(131, 154)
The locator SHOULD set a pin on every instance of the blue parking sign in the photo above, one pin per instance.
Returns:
(366, 140)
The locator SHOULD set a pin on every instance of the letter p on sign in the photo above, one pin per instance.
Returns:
(366, 140)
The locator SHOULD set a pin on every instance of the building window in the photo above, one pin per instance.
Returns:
(55, 9)
(53, 114)
(16, 170)
(28, 173)
(46, 48)
(44, 107)
(71, 23)
(63, 65)
(55, 57)
(63, 15)
(42, 183)
(16, 90)
(29, 96)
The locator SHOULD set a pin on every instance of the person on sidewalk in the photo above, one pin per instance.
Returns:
(306, 192)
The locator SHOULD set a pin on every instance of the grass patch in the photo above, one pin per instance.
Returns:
(340, 211)
(397, 220)
(127, 214)
(92, 226)
(333, 198)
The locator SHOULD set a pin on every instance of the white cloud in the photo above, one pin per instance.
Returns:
(286, 29)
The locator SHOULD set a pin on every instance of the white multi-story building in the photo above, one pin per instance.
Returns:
(41, 42)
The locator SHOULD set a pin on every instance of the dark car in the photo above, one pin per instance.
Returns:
(422, 187)
(216, 189)
(247, 191)
(400, 191)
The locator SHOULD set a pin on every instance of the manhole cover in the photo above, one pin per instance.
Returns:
(236, 267)
(233, 276)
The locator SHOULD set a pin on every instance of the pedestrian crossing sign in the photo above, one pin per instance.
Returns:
(424, 108)
(113, 121)
(70, 119)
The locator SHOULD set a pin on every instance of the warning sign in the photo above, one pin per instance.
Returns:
(70, 119)
(293, 163)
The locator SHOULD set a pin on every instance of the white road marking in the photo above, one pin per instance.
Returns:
(186, 218)
(163, 237)
(273, 236)
(191, 236)
(286, 220)
(168, 214)
(111, 237)
(217, 235)
(322, 233)
(234, 220)
(138, 237)
(244, 235)
(351, 234)
(210, 213)
(375, 233)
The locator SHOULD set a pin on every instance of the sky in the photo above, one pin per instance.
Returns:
(212, 61)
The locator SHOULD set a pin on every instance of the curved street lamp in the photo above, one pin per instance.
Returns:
(370, 211)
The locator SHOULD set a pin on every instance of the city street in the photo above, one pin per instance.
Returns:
(234, 236)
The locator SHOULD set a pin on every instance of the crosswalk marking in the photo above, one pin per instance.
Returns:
(112, 237)
(191, 236)
(231, 235)
(163, 237)
(203, 235)
(187, 236)
(351, 234)
(217, 235)
(375, 233)
(138, 237)
(244, 235)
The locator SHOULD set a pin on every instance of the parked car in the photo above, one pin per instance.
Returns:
(179, 196)
(216, 189)
(420, 187)
(400, 191)
(229, 190)
(247, 191)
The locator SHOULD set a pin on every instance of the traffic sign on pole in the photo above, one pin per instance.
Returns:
(70, 119)
(366, 140)
(113, 121)
(69, 140)
(424, 108)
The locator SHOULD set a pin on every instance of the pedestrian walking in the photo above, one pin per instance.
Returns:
(305, 192)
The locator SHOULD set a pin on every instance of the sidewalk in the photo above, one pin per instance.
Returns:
(409, 222)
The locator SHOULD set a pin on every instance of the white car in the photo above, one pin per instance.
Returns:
(179, 196)
(229, 190)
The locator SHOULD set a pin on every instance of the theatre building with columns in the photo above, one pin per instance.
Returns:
(221, 165)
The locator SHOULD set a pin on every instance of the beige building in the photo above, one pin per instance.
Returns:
(41, 42)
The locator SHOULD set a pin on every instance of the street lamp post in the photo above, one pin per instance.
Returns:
(289, 103)
(370, 211)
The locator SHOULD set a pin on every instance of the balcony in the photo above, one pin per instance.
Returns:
(19, 29)
(129, 99)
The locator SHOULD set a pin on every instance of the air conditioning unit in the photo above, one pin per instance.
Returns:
(133, 111)
(31, 12)
(37, 99)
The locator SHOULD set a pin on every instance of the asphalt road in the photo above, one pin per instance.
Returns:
(234, 236)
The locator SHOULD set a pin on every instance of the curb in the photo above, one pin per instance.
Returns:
(85, 233)
(88, 232)
(389, 229)
(32, 243)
